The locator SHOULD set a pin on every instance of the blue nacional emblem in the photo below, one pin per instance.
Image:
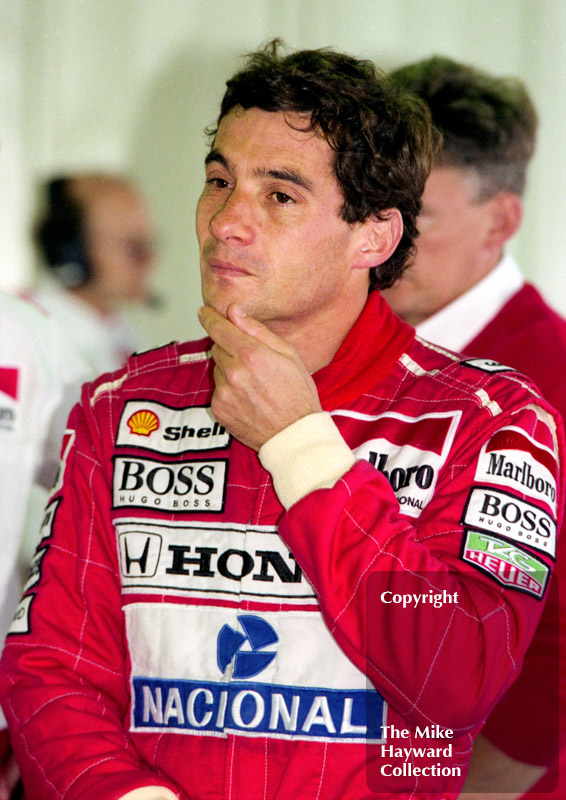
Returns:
(248, 662)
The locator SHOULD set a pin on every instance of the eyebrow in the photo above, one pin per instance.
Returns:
(284, 174)
(215, 156)
(290, 175)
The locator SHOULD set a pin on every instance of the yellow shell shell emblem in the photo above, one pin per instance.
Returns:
(143, 423)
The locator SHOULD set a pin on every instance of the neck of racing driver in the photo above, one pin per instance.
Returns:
(318, 340)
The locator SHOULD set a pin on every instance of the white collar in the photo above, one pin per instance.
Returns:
(458, 323)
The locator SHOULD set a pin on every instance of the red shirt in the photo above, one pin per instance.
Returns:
(529, 724)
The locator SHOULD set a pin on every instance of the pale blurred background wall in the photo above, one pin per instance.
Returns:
(131, 84)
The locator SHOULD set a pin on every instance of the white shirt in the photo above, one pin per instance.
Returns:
(104, 342)
(458, 323)
(40, 379)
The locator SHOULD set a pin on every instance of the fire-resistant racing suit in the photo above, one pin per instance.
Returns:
(183, 635)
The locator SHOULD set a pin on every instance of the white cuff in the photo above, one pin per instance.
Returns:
(150, 793)
(309, 454)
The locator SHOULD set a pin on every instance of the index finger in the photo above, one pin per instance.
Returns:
(223, 332)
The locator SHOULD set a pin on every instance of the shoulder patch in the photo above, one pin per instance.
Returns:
(511, 566)
(486, 365)
(514, 459)
(506, 514)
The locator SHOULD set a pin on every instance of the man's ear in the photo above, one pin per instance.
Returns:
(506, 217)
(378, 239)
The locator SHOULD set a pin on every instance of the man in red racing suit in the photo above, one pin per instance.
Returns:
(257, 583)
(248, 631)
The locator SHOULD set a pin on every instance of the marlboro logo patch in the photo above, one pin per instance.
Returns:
(512, 459)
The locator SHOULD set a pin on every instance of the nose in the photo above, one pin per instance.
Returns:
(232, 222)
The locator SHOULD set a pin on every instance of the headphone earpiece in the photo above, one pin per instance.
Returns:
(60, 236)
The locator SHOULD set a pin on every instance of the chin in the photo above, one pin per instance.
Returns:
(220, 301)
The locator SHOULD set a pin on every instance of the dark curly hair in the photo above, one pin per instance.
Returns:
(488, 124)
(382, 137)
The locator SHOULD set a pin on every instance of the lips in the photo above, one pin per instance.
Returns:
(226, 268)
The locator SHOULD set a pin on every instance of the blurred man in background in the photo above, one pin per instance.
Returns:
(97, 240)
(466, 293)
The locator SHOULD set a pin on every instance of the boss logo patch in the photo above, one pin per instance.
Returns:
(183, 486)
(507, 515)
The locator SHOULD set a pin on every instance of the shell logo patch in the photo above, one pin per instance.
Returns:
(143, 422)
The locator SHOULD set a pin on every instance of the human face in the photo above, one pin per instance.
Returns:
(454, 249)
(269, 228)
(120, 243)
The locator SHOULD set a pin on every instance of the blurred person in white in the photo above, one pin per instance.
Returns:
(40, 379)
(464, 291)
(96, 238)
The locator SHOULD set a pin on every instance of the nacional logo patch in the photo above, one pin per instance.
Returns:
(246, 653)
(148, 425)
(512, 458)
(509, 565)
(172, 486)
(245, 674)
(507, 515)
